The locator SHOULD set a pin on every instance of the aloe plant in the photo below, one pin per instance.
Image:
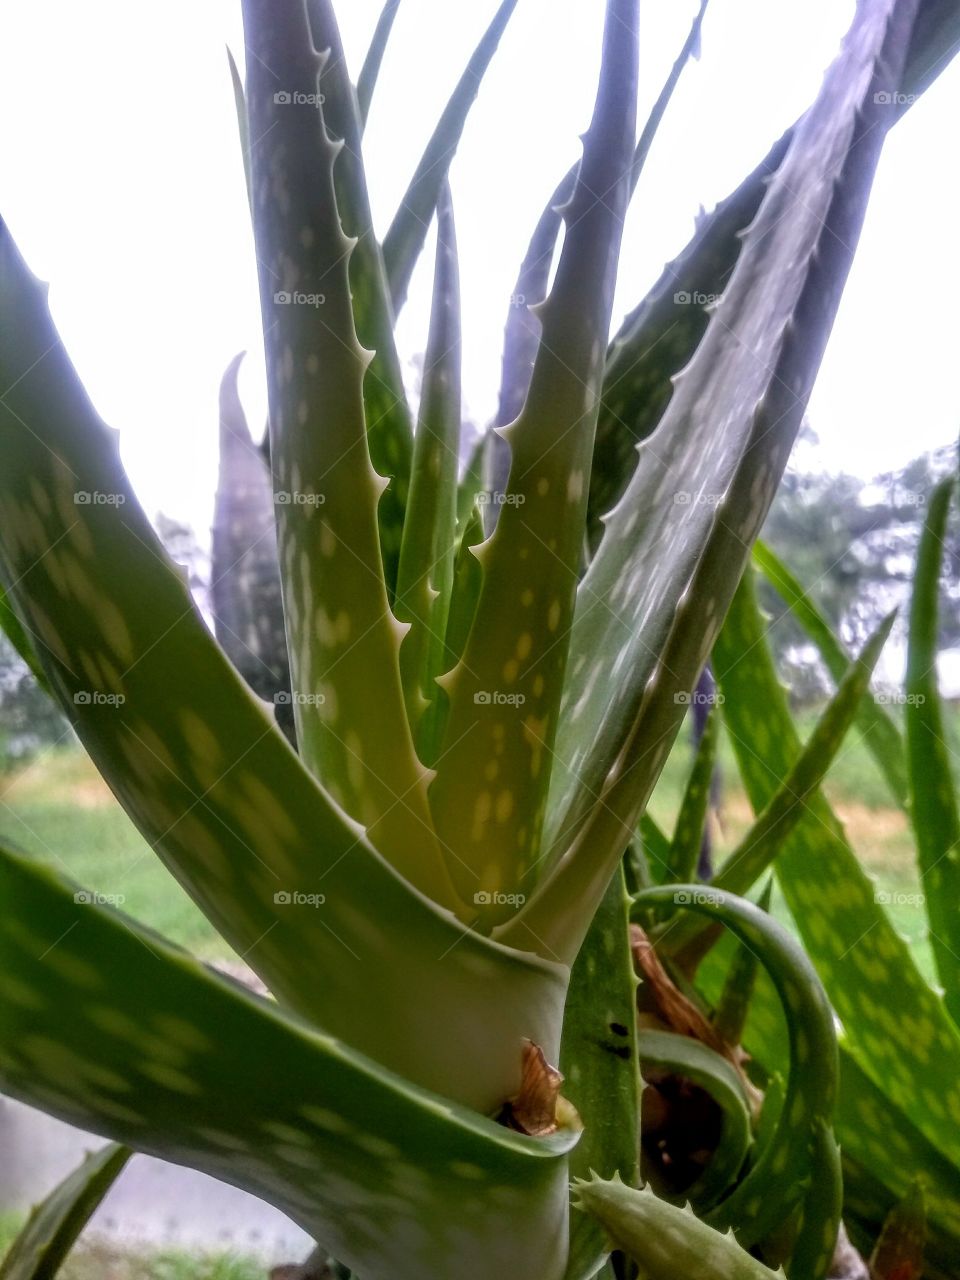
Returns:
(431, 889)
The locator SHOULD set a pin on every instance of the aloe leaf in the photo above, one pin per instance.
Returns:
(203, 771)
(756, 852)
(367, 79)
(243, 126)
(933, 797)
(699, 496)
(54, 1224)
(344, 641)
(895, 1026)
(504, 696)
(407, 232)
(736, 996)
(664, 1241)
(16, 633)
(245, 575)
(428, 551)
(388, 421)
(145, 1045)
(598, 1057)
(521, 334)
(659, 337)
(822, 1211)
(656, 844)
(773, 1184)
(880, 733)
(683, 1056)
(691, 820)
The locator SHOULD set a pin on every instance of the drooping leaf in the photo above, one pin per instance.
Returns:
(694, 1061)
(144, 1044)
(504, 695)
(204, 773)
(408, 230)
(666, 1242)
(933, 798)
(880, 733)
(428, 552)
(55, 1223)
(896, 1027)
(675, 546)
(774, 1182)
(367, 79)
(344, 641)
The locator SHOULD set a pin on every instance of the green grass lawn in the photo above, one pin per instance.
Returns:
(94, 1259)
(58, 809)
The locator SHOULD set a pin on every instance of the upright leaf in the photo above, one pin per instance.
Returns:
(428, 551)
(367, 79)
(408, 230)
(55, 1223)
(933, 795)
(505, 694)
(691, 820)
(880, 733)
(654, 595)
(344, 641)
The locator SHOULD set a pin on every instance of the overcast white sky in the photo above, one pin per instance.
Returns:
(120, 175)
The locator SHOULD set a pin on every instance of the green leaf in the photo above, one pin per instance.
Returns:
(244, 571)
(428, 551)
(733, 1006)
(343, 639)
(664, 1241)
(822, 1211)
(598, 1056)
(681, 1055)
(388, 420)
(774, 1183)
(504, 696)
(13, 628)
(367, 79)
(880, 733)
(933, 797)
(54, 1225)
(243, 126)
(203, 771)
(692, 818)
(408, 230)
(655, 594)
(895, 1026)
(142, 1043)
